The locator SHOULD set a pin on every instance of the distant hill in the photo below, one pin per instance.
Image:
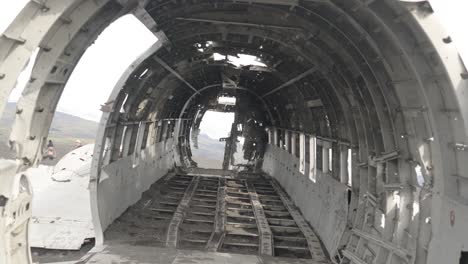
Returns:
(210, 152)
(65, 129)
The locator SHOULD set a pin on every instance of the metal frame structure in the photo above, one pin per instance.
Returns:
(386, 79)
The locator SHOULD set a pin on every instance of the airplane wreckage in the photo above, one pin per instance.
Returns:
(355, 123)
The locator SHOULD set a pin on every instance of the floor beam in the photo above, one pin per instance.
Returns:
(173, 229)
(266, 237)
(220, 218)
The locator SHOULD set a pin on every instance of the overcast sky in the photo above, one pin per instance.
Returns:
(99, 69)
(122, 42)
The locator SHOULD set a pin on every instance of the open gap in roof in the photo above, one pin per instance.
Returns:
(240, 60)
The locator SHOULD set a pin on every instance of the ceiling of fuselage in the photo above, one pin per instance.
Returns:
(299, 52)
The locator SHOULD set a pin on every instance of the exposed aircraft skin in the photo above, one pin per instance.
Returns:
(55, 224)
(365, 105)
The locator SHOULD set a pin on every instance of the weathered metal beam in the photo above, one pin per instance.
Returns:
(385, 244)
(220, 218)
(237, 23)
(330, 140)
(353, 257)
(14, 38)
(387, 156)
(145, 18)
(173, 229)
(272, 2)
(266, 237)
(175, 73)
(293, 80)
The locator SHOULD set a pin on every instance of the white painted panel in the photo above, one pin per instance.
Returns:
(123, 185)
(59, 233)
(313, 159)
(61, 211)
(287, 141)
(302, 161)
